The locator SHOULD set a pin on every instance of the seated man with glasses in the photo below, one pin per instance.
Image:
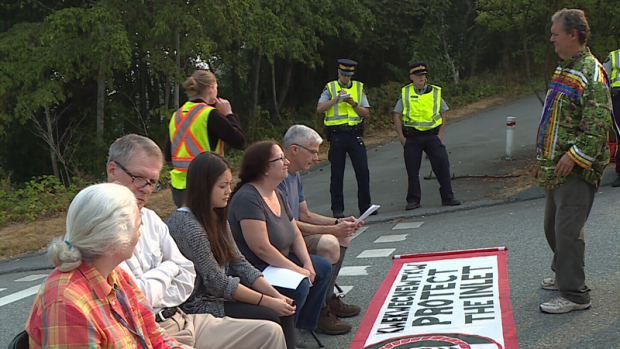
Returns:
(324, 236)
(162, 273)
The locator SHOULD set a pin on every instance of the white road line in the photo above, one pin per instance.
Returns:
(32, 277)
(353, 271)
(358, 232)
(345, 289)
(2, 289)
(391, 238)
(409, 225)
(382, 252)
(19, 295)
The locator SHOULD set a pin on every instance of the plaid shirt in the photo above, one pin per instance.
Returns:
(81, 309)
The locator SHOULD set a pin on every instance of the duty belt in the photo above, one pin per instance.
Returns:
(359, 128)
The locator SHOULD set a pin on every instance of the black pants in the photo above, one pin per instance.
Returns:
(437, 154)
(339, 145)
(239, 310)
(178, 195)
(615, 99)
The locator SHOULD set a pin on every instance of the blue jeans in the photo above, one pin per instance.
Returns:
(309, 300)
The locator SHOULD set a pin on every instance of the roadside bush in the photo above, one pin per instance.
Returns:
(40, 197)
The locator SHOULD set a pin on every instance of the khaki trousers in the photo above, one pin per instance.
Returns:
(204, 331)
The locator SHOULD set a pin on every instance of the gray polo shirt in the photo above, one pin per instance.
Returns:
(326, 95)
(293, 189)
(426, 89)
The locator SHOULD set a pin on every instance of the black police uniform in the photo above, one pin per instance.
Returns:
(345, 139)
(426, 141)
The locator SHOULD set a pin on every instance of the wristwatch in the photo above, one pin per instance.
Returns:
(337, 220)
(356, 104)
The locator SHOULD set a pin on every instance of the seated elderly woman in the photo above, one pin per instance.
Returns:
(265, 231)
(87, 301)
(226, 283)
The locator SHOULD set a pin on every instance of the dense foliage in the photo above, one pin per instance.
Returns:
(75, 75)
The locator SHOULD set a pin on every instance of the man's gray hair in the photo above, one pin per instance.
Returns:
(573, 19)
(302, 135)
(127, 146)
(101, 220)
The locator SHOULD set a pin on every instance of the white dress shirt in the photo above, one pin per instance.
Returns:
(163, 274)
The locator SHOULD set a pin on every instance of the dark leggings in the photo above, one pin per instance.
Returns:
(240, 310)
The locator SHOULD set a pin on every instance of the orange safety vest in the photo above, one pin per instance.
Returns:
(189, 137)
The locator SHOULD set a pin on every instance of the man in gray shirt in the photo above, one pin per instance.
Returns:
(324, 236)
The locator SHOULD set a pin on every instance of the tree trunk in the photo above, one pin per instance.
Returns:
(50, 137)
(142, 70)
(276, 111)
(100, 104)
(286, 82)
(455, 71)
(177, 86)
(168, 86)
(254, 90)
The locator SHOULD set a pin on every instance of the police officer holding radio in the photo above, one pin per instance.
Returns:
(345, 106)
(420, 124)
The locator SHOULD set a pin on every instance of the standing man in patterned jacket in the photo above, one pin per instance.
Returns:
(572, 154)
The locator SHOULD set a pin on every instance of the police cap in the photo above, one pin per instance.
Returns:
(418, 68)
(346, 66)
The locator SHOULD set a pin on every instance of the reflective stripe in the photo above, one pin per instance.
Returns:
(333, 85)
(183, 136)
(359, 92)
(436, 104)
(337, 117)
(407, 102)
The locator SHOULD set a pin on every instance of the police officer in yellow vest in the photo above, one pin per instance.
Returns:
(345, 106)
(420, 125)
(612, 66)
(204, 123)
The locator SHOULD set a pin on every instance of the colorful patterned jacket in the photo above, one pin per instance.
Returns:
(575, 120)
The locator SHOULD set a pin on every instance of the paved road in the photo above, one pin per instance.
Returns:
(517, 226)
(477, 146)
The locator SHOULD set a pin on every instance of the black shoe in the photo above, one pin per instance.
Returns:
(451, 202)
(616, 183)
(412, 206)
(374, 213)
(338, 214)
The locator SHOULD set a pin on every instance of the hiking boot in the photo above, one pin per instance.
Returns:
(412, 206)
(329, 324)
(338, 214)
(451, 202)
(299, 340)
(616, 183)
(341, 309)
(561, 305)
(549, 284)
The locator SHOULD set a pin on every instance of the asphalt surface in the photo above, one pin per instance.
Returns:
(477, 147)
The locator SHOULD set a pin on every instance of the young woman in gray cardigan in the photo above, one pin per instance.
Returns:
(226, 283)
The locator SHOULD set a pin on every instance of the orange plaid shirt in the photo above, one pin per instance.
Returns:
(81, 309)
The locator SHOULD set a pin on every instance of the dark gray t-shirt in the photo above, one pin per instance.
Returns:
(294, 191)
(247, 203)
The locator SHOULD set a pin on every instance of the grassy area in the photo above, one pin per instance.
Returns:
(34, 235)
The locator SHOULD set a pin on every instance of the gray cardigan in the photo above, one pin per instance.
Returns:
(214, 285)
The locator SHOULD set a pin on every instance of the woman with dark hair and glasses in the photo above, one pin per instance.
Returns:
(226, 284)
(265, 231)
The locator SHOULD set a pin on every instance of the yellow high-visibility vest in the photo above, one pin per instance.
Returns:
(342, 113)
(615, 72)
(421, 111)
(189, 137)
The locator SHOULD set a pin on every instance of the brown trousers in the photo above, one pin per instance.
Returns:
(204, 331)
(566, 212)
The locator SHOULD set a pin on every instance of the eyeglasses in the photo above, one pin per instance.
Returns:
(137, 181)
(312, 151)
(283, 158)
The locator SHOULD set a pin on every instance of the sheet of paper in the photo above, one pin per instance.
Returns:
(342, 97)
(283, 277)
(370, 210)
